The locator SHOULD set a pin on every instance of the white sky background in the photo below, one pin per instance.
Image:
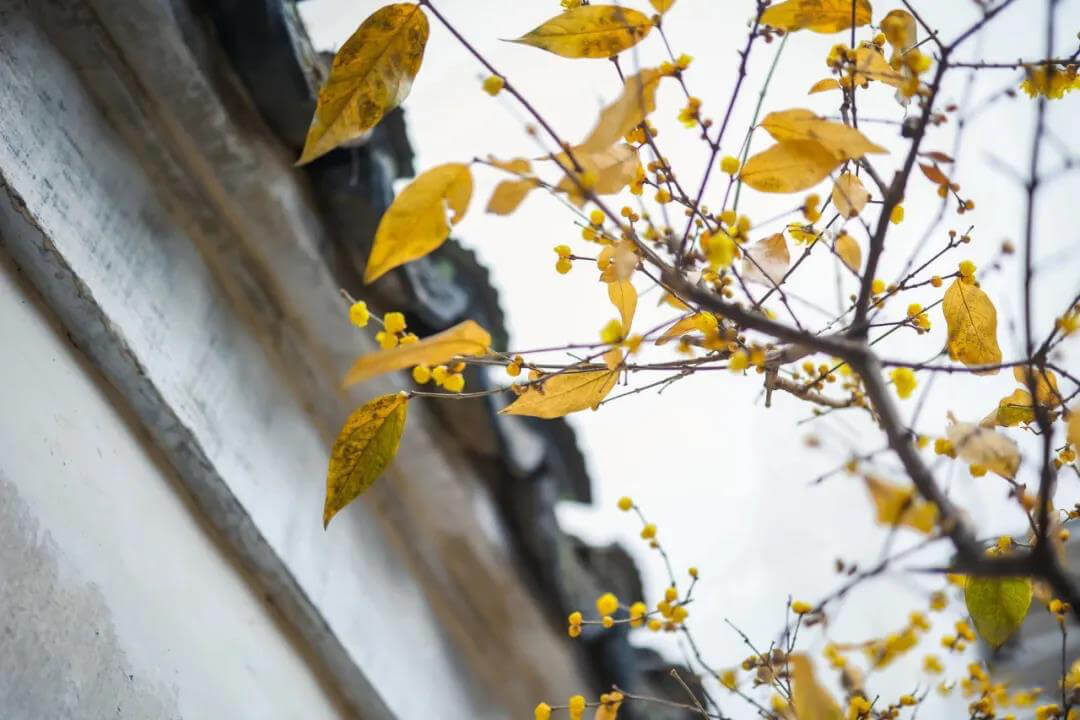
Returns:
(726, 479)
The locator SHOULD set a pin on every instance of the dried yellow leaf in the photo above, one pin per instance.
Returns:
(1046, 387)
(365, 446)
(563, 393)
(870, 64)
(508, 195)
(898, 505)
(972, 324)
(464, 339)
(823, 85)
(789, 167)
(1072, 431)
(849, 251)
(590, 31)
(1015, 409)
(613, 358)
(822, 16)
(845, 142)
(518, 166)
(637, 100)
(901, 31)
(984, 446)
(371, 74)
(610, 170)
(849, 195)
(810, 700)
(624, 297)
(415, 223)
(767, 260)
(702, 322)
(998, 606)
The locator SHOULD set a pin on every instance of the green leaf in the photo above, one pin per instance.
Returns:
(364, 447)
(997, 605)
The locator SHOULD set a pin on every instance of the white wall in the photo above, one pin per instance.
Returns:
(115, 599)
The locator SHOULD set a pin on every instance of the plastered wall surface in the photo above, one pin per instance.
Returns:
(115, 599)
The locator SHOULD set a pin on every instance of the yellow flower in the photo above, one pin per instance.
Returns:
(801, 608)
(897, 215)
(648, 532)
(1050, 82)
(493, 84)
(575, 618)
(739, 361)
(625, 503)
(542, 712)
(637, 614)
(904, 381)
(612, 332)
(730, 164)
(563, 265)
(607, 604)
(358, 313)
(576, 706)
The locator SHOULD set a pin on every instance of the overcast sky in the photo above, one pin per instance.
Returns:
(725, 479)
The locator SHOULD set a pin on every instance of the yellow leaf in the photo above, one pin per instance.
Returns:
(984, 446)
(563, 393)
(810, 700)
(972, 323)
(702, 322)
(823, 85)
(624, 297)
(822, 16)
(590, 31)
(465, 338)
(898, 505)
(611, 170)
(669, 299)
(364, 447)
(508, 195)
(415, 223)
(849, 195)
(901, 31)
(789, 167)
(1072, 432)
(845, 142)
(613, 358)
(1046, 387)
(371, 74)
(772, 258)
(662, 6)
(997, 605)
(518, 166)
(849, 251)
(1015, 409)
(870, 64)
(636, 101)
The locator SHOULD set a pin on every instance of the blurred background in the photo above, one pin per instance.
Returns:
(170, 296)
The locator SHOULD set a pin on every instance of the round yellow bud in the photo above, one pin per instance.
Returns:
(393, 322)
(421, 374)
(358, 313)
